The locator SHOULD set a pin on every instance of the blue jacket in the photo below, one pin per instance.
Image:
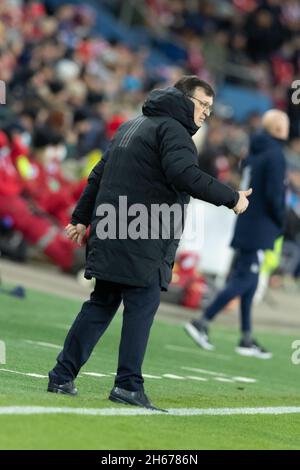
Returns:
(264, 171)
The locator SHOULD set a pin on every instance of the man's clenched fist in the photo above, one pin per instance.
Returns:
(76, 232)
(243, 201)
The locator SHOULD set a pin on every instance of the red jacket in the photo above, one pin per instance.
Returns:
(10, 183)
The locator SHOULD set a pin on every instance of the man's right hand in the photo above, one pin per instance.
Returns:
(243, 201)
(76, 232)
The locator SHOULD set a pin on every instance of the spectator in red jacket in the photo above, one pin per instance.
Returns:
(35, 226)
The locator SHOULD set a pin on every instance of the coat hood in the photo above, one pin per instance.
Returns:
(172, 103)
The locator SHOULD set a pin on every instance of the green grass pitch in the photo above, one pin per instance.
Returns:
(26, 324)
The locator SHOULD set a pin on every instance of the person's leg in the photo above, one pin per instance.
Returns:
(246, 305)
(233, 289)
(237, 285)
(40, 231)
(30, 225)
(58, 204)
(248, 346)
(296, 271)
(90, 324)
(254, 262)
(198, 328)
(140, 306)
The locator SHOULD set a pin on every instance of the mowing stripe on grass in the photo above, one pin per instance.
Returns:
(204, 371)
(198, 351)
(60, 326)
(220, 374)
(32, 410)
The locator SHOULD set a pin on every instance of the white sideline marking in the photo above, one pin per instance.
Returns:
(149, 376)
(39, 376)
(223, 379)
(192, 377)
(220, 377)
(42, 343)
(205, 371)
(31, 410)
(30, 374)
(94, 374)
(172, 376)
(244, 379)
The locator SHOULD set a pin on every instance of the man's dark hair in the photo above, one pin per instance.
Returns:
(188, 83)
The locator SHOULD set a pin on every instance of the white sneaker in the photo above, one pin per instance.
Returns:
(252, 349)
(199, 335)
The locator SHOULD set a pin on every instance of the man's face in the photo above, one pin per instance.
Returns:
(285, 128)
(202, 105)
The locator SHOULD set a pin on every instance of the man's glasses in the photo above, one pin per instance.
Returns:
(204, 105)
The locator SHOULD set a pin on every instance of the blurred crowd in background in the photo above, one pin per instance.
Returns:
(74, 72)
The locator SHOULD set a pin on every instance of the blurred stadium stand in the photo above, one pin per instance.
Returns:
(76, 70)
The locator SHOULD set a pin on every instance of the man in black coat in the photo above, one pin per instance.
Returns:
(255, 231)
(149, 169)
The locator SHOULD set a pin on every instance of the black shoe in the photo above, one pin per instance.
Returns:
(67, 388)
(251, 348)
(126, 397)
(199, 335)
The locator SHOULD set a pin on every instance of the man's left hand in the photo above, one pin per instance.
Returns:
(76, 232)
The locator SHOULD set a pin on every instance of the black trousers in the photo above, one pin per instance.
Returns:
(140, 306)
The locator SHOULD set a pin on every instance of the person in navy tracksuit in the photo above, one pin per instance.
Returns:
(256, 230)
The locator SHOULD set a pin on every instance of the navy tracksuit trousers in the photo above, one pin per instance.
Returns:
(243, 283)
(140, 306)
